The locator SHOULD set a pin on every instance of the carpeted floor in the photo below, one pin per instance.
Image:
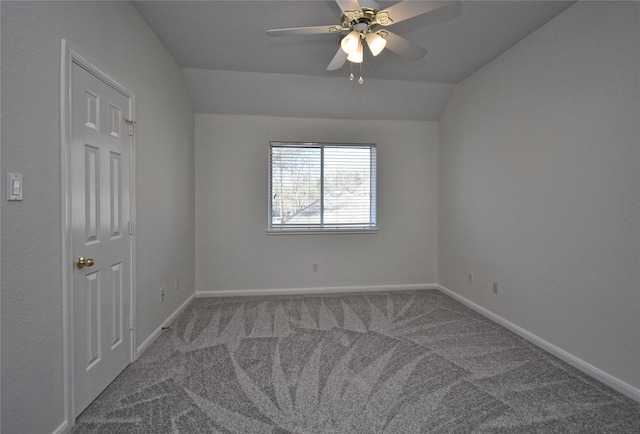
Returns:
(399, 362)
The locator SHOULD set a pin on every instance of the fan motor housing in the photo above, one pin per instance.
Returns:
(368, 18)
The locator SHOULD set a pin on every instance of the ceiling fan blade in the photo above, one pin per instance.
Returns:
(315, 30)
(404, 47)
(350, 8)
(338, 60)
(407, 9)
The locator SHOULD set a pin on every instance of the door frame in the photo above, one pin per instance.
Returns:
(69, 56)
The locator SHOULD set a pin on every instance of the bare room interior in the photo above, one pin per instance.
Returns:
(494, 287)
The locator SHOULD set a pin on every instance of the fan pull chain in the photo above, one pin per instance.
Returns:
(351, 76)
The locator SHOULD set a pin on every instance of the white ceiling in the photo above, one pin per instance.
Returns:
(229, 37)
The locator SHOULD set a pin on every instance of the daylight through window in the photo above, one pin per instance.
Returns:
(322, 187)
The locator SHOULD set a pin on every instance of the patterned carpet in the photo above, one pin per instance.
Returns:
(399, 362)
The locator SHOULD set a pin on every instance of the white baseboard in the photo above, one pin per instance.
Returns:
(319, 290)
(62, 428)
(598, 374)
(147, 342)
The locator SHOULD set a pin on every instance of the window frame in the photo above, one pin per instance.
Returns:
(328, 229)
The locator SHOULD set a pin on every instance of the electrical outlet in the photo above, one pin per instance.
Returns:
(177, 287)
(315, 268)
(162, 294)
(470, 277)
(495, 287)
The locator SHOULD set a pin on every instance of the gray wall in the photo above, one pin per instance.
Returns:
(539, 186)
(114, 35)
(232, 171)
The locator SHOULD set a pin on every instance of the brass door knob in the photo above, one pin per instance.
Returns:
(84, 262)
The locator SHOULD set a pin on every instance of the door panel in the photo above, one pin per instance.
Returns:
(116, 195)
(116, 305)
(91, 183)
(100, 211)
(93, 319)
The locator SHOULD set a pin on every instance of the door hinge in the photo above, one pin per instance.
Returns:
(130, 228)
(132, 323)
(130, 124)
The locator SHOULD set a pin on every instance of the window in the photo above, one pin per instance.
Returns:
(322, 187)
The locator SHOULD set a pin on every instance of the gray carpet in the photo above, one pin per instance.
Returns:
(400, 362)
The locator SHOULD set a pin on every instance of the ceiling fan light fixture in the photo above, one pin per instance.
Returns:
(376, 43)
(357, 56)
(360, 22)
(350, 42)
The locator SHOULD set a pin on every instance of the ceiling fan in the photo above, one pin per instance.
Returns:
(361, 23)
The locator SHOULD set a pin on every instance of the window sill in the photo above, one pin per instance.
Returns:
(320, 231)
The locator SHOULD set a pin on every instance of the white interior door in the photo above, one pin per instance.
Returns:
(100, 212)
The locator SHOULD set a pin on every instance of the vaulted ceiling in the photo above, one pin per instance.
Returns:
(232, 66)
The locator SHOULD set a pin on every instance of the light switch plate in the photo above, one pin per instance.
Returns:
(14, 186)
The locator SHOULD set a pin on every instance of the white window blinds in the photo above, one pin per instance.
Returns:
(322, 186)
